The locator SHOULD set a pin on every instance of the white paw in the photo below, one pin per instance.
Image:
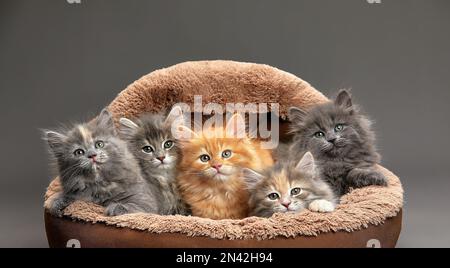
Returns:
(321, 205)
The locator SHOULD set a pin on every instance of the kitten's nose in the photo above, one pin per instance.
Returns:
(161, 158)
(92, 155)
(217, 166)
(331, 139)
(286, 203)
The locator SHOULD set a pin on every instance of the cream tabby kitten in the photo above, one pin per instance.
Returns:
(288, 187)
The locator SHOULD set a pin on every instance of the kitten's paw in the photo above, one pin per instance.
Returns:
(376, 178)
(321, 205)
(372, 178)
(115, 209)
(367, 177)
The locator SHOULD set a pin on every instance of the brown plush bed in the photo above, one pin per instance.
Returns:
(366, 217)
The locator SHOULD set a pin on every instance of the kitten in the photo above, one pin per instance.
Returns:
(341, 140)
(150, 139)
(95, 166)
(209, 176)
(288, 187)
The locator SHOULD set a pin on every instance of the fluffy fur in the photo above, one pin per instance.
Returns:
(210, 171)
(288, 187)
(150, 139)
(222, 81)
(95, 166)
(341, 140)
(218, 82)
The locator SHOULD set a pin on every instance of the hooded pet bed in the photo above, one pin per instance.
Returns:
(369, 216)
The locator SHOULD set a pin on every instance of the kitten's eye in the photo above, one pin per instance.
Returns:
(226, 153)
(204, 158)
(273, 196)
(296, 191)
(78, 152)
(168, 144)
(319, 134)
(147, 149)
(338, 127)
(99, 144)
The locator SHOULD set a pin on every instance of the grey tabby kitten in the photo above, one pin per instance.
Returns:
(341, 140)
(95, 166)
(288, 187)
(150, 139)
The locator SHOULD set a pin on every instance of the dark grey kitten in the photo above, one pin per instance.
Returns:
(342, 143)
(288, 187)
(95, 166)
(150, 139)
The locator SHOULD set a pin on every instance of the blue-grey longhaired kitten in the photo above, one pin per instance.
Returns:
(288, 187)
(150, 139)
(342, 143)
(95, 166)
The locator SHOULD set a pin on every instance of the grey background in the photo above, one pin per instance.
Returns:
(61, 62)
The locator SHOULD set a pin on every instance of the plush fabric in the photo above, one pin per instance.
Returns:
(217, 82)
(359, 209)
(223, 82)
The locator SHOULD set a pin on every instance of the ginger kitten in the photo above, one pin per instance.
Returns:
(209, 172)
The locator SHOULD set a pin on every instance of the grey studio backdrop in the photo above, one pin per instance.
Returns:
(63, 62)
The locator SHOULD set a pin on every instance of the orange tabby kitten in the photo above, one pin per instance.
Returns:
(209, 172)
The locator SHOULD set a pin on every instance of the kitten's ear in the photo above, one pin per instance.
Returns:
(105, 120)
(296, 114)
(174, 114)
(344, 99)
(307, 164)
(127, 127)
(127, 123)
(235, 126)
(251, 178)
(54, 139)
